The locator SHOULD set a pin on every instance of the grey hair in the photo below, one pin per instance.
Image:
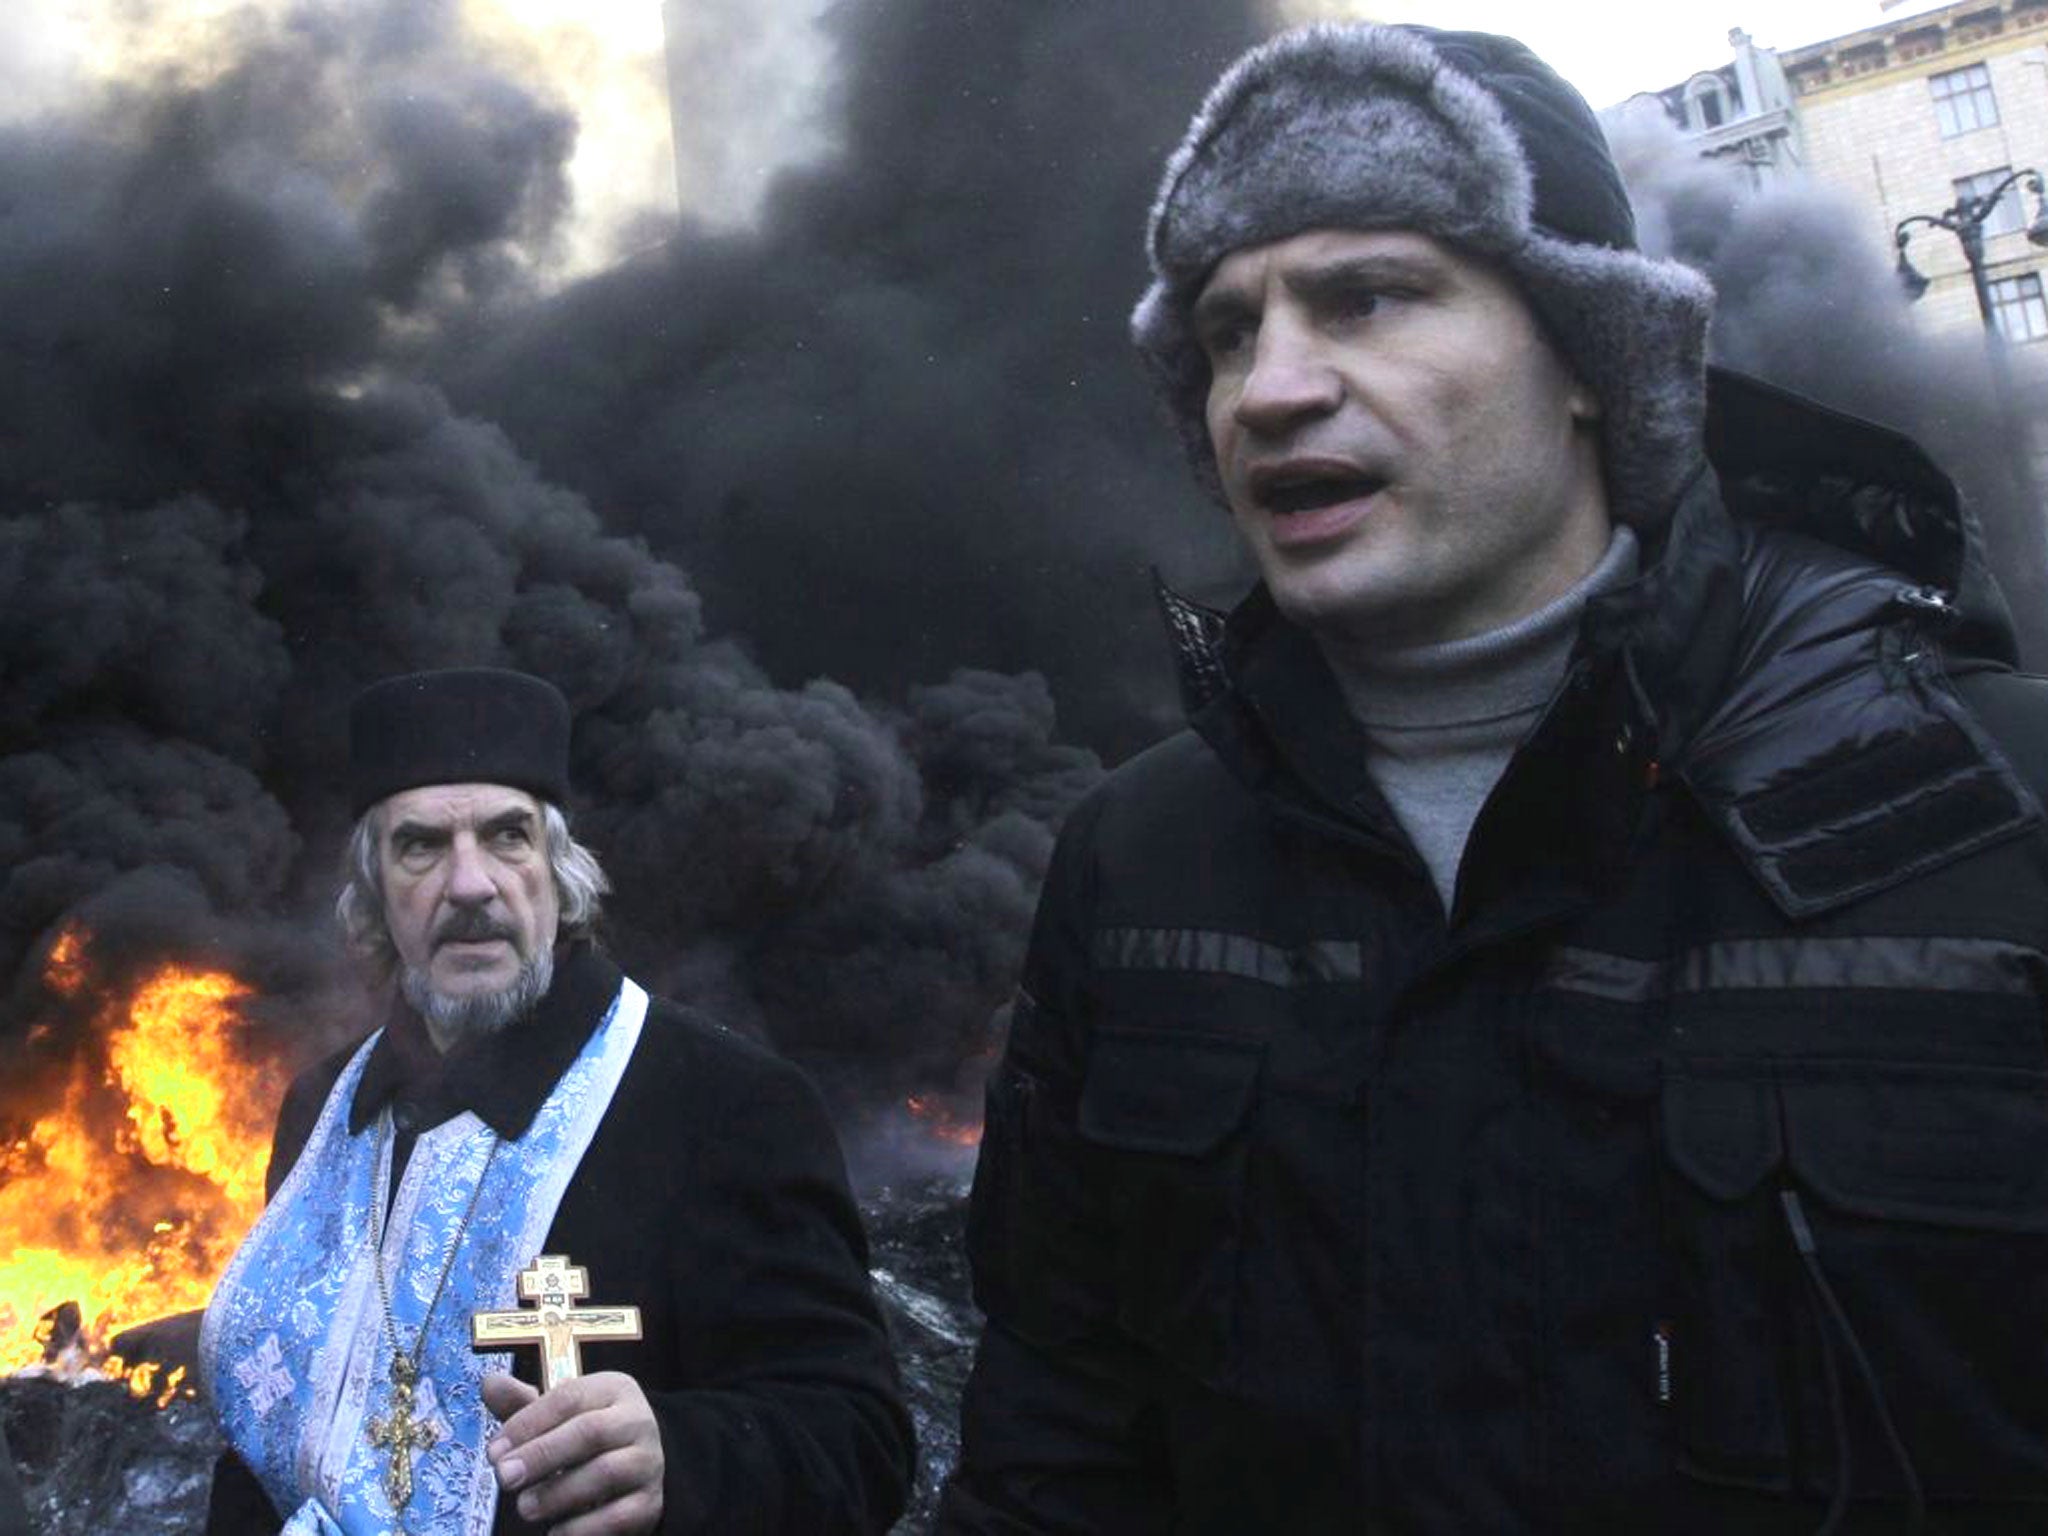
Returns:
(580, 884)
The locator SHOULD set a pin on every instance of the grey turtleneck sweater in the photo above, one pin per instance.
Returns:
(1441, 721)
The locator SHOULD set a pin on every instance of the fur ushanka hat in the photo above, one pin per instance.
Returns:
(1464, 136)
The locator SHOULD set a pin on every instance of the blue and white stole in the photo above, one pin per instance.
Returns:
(294, 1353)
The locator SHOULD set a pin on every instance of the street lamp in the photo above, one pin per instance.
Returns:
(1966, 222)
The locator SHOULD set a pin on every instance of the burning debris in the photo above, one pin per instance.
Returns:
(121, 1201)
(918, 1232)
(94, 1460)
(953, 1126)
(60, 1334)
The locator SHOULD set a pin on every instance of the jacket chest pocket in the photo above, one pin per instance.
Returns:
(1860, 1276)
(1172, 1110)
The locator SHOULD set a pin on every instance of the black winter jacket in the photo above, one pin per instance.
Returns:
(1692, 1176)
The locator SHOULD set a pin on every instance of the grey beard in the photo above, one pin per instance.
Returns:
(479, 1013)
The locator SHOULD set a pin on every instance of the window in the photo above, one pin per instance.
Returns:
(1963, 100)
(2005, 215)
(2017, 308)
(1979, 25)
(1920, 44)
(1810, 76)
(1710, 101)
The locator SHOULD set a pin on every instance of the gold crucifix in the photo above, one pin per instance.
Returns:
(556, 1324)
(401, 1434)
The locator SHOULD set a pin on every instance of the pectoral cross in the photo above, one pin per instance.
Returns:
(557, 1324)
(401, 1434)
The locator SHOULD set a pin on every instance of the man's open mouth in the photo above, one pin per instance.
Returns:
(1311, 493)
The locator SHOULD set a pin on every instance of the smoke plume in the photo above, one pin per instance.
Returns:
(899, 428)
(790, 515)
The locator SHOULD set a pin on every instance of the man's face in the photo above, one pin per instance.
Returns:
(468, 893)
(1407, 457)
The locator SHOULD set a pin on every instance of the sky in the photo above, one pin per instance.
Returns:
(603, 56)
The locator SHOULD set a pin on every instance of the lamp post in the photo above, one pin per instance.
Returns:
(1966, 220)
(2027, 575)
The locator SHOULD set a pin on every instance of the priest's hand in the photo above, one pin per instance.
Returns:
(582, 1460)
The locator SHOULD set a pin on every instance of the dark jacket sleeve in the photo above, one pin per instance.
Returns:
(237, 1504)
(1058, 1429)
(793, 1424)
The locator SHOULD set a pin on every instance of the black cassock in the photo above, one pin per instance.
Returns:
(713, 1197)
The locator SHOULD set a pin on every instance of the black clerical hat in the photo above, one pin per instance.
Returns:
(475, 725)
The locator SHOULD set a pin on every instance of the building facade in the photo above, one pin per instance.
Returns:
(1910, 118)
(1916, 116)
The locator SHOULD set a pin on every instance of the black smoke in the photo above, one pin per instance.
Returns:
(283, 408)
(1806, 296)
(900, 428)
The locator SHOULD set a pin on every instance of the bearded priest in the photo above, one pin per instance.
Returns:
(524, 1099)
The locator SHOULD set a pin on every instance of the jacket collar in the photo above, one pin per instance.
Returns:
(1281, 725)
(503, 1077)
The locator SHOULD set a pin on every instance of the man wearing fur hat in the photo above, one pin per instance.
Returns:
(1559, 1045)
(525, 1099)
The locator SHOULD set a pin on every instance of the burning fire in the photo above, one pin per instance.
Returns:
(942, 1123)
(129, 1195)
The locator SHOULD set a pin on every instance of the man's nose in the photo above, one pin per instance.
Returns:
(1290, 380)
(469, 876)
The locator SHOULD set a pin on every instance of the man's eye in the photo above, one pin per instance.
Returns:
(1225, 338)
(513, 838)
(1357, 303)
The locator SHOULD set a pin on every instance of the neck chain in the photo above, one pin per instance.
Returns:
(401, 1433)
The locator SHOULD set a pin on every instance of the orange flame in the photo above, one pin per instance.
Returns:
(129, 1195)
(64, 972)
(942, 1123)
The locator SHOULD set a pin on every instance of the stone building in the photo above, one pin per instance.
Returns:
(1917, 115)
(1910, 117)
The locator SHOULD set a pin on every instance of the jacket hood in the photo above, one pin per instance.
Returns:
(1789, 462)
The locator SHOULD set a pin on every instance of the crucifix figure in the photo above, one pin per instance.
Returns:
(556, 1324)
(401, 1434)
